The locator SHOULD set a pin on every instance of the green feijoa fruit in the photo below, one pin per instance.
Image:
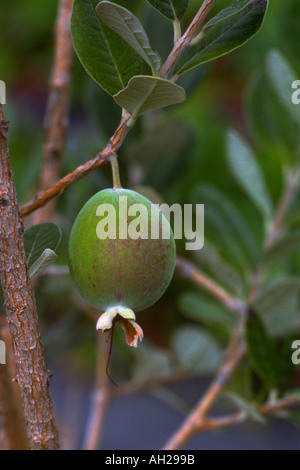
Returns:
(121, 256)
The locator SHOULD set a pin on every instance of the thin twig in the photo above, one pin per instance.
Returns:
(102, 158)
(100, 399)
(238, 418)
(197, 416)
(186, 38)
(189, 271)
(32, 374)
(57, 109)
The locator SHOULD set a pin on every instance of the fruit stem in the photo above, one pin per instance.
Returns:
(115, 171)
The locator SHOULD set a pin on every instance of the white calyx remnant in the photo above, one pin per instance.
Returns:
(125, 316)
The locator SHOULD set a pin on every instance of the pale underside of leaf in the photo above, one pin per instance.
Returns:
(145, 93)
(47, 257)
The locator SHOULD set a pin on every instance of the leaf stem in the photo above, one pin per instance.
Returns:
(115, 171)
(177, 30)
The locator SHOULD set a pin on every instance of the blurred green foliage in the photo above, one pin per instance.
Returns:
(182, 154)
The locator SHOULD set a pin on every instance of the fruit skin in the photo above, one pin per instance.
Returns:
(117, 272)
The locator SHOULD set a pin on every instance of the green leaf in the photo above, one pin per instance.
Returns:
(145, 93)
(278, 305)
(172, 399)
(261, 351)
(269, 120)
(246, 407)
(228, 246)
(294, 417)
(294, 393)
(124, 23)
(286, 368)
(106, 57)
(196, 350)
(282, 76)
(172, 9)
(232, 9)
(164, 139)
(39, 237)
(151, 363)
(211, 196)
(208, 312)
(283, 247)
(241, 382)
(220, 269)
(248, 174)
(46, 258)
(223, 36)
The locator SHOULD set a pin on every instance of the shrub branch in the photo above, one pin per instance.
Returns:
(32, 374)
(57, 109)
(54, 190)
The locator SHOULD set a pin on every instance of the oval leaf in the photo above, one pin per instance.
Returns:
(39, 237)
(196, 350)
(46, 258)
(282, 76)
(245, 169)
(278, 304)
(145, 93)
(270, 123)
(283, 247)
(200, 309)
(261, 351)
(227, 34)
(232, 9)
(211, 196)
(172, 9)
(209, 258)
(151, 362)
(106, 57)
(246, 407)
(124, 23)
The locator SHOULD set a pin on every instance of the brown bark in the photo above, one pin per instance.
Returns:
(11, 412)
(32, 374)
